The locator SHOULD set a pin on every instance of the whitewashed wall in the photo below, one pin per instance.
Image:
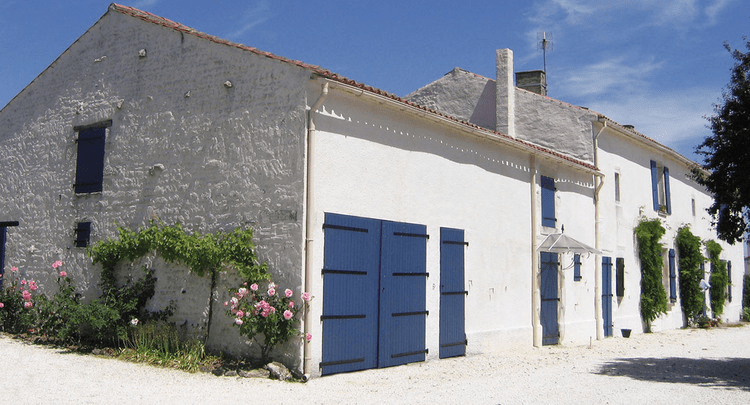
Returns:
(231, 156)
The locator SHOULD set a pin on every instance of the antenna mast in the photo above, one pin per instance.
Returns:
(544, 43)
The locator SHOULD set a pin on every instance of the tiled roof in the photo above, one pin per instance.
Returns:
(146, 16)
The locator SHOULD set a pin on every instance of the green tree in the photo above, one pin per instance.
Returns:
(653, 296)
(718, 280)
(726, 153)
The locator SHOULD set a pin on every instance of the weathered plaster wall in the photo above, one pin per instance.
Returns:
(183, 147)
(460, 94)
(554, 124)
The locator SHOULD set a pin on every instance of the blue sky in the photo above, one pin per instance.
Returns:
(658, 65)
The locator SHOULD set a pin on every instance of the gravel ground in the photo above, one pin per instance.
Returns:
(678, 366)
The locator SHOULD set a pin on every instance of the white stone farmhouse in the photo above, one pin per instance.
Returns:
(416, 223)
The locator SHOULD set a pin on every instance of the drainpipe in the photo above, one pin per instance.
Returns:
(309, 219)
(536, 299)
(598, 271)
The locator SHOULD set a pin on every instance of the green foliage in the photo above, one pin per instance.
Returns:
(719, 279)
(653, 296)
(161, 343)
(14, 317)
(202, 254)
(746, 314)
(727, 153)
(692, 298)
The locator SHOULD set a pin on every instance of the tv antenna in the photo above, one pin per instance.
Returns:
(544, 42)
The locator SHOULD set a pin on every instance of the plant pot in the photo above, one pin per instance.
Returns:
(625, 333)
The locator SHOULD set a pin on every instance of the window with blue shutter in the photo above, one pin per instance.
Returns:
(90, 159)
(83, 234)
(660, 193)
(672, 277)
(577, 267)
(548, 202)
(3, 235)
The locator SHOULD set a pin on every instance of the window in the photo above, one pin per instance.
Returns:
(83, 233)
(90, 161)
(577, 267)
(617, 187)
(548, 202)
(692, 205)
(672, 277)
(620, 276)
(660, 188)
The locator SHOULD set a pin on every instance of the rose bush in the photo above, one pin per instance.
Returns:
(265, 313)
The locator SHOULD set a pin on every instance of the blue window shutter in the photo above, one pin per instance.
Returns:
(83, 234)
(452, 293)
(729, 281)
(655, 185)
(90, 161)
(620, 276)
(667, 197)
(577, 267)
(672, 277)
(548, 202)
(2, 254)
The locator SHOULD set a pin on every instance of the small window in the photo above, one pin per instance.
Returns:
(577, 267)
(90, 159)
(83, 234)
(620, 276)
(617, 187)
(660, 188)
(692, 205)
(672, 277)
(548, 202)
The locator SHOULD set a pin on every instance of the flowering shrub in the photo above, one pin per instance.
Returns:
(16, 304)
(269, 313)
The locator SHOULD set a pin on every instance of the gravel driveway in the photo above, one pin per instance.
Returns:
(678, 366)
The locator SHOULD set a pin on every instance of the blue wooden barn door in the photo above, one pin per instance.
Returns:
(452, 293)
(350, 294)
(403, 280)
(550, 299)
(607, 295)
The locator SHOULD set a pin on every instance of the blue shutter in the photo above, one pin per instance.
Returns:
(620, 277)
(672, 277)
(548, 201)
(90, 161)
(350, 293)
(607, 295)
(667, 197)
(452, 293)
(83, 234)
(729, 281)
(403, 289)
(655, 185)
(549, 299)
(577, 267)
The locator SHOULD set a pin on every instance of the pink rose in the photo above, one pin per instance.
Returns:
(2, 305)
(14, 269)
(28, 304)
(63, 273)
(273, 310)
(23, 282)
(240, 314)
(26, 295)
(271, 291)
(254, 287)
(291, 304)
(56, 264)
(288, 293)
(306, 296)
(308, 337)
(238, 321)
(226, 303)
(288, 314)
(33, 287)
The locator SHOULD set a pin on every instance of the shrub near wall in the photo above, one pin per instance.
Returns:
(653, 296)
(719, 278)
(692, 298)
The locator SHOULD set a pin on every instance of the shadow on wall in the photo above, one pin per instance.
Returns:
(730, 373)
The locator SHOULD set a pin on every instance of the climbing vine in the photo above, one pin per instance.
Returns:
(719, 279)
(691, 296)
(653, 296)
(202, 254)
